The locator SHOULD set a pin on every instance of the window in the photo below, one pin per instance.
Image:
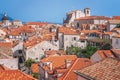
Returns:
(87, 12)
(77, 25)
(82, 41)
(74, 38)
(36, 58)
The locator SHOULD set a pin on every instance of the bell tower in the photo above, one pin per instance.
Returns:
(4, 17)
(87, 11)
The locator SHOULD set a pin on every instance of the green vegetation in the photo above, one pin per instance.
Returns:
(106, 46)
(35, 75)
(87, 52)
(29, 62)
(118, 26)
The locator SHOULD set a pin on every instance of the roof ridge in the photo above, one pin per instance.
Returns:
(71, 68)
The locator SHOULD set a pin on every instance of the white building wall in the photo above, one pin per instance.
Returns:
(69, 40)
(116, 43)
(19, 46)
(37, 51)
(10, 63)
(100, 21)
(75, 14)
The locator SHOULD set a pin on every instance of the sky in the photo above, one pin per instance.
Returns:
(55, 10)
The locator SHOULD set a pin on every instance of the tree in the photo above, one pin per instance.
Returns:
(118, 26)
(90, 50)
(106, 46)
(87, 52)
(29, 62)
(35, 75)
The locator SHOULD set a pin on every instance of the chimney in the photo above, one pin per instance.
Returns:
(67, 63)
(53, 37)
(50, 65)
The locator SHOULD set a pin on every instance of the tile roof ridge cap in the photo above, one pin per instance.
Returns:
(71, 68)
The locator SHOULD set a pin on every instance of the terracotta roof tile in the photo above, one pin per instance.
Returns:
(2, 68)
(37, 23)
(67, 31)
(107, 69)
(105, 53)
(93, 17)
(116, 51)
(35, 68)
(53, 52)
(116, 17)
(116, 36)
(77, 64)
(31, 42)
(116, 29)
(108, 33)
(14, 75)
(91, 31)
(48, 36)
(58, 61)
(6, 44)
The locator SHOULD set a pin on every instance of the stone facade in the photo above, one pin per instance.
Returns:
(36, 52)
(71, 16)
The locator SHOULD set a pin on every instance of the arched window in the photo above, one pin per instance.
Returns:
(87, 12)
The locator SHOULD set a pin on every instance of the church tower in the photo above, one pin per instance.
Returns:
(87, 11)
(4, 18)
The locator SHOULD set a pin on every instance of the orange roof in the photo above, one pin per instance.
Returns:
(53, 52)
(15, 33)
(14, 75)
(27, 29)
(77, 64)
(21, 29)
(107, 69)
(6, 44)
(37, 23)
(67, 31)
(91, 31)
(116, 29)
(35, 68)
(48, 36)
(108, 33)
(117, 36)
(82, 37)
(0, 22)
(2, 68)
(6, 30)
(58, 61)
(116, 17)
(31, 42)
(15, 43)
(105, 53)
(116, 51)
(93, 17)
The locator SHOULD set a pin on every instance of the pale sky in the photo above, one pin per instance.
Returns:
(55, 10)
